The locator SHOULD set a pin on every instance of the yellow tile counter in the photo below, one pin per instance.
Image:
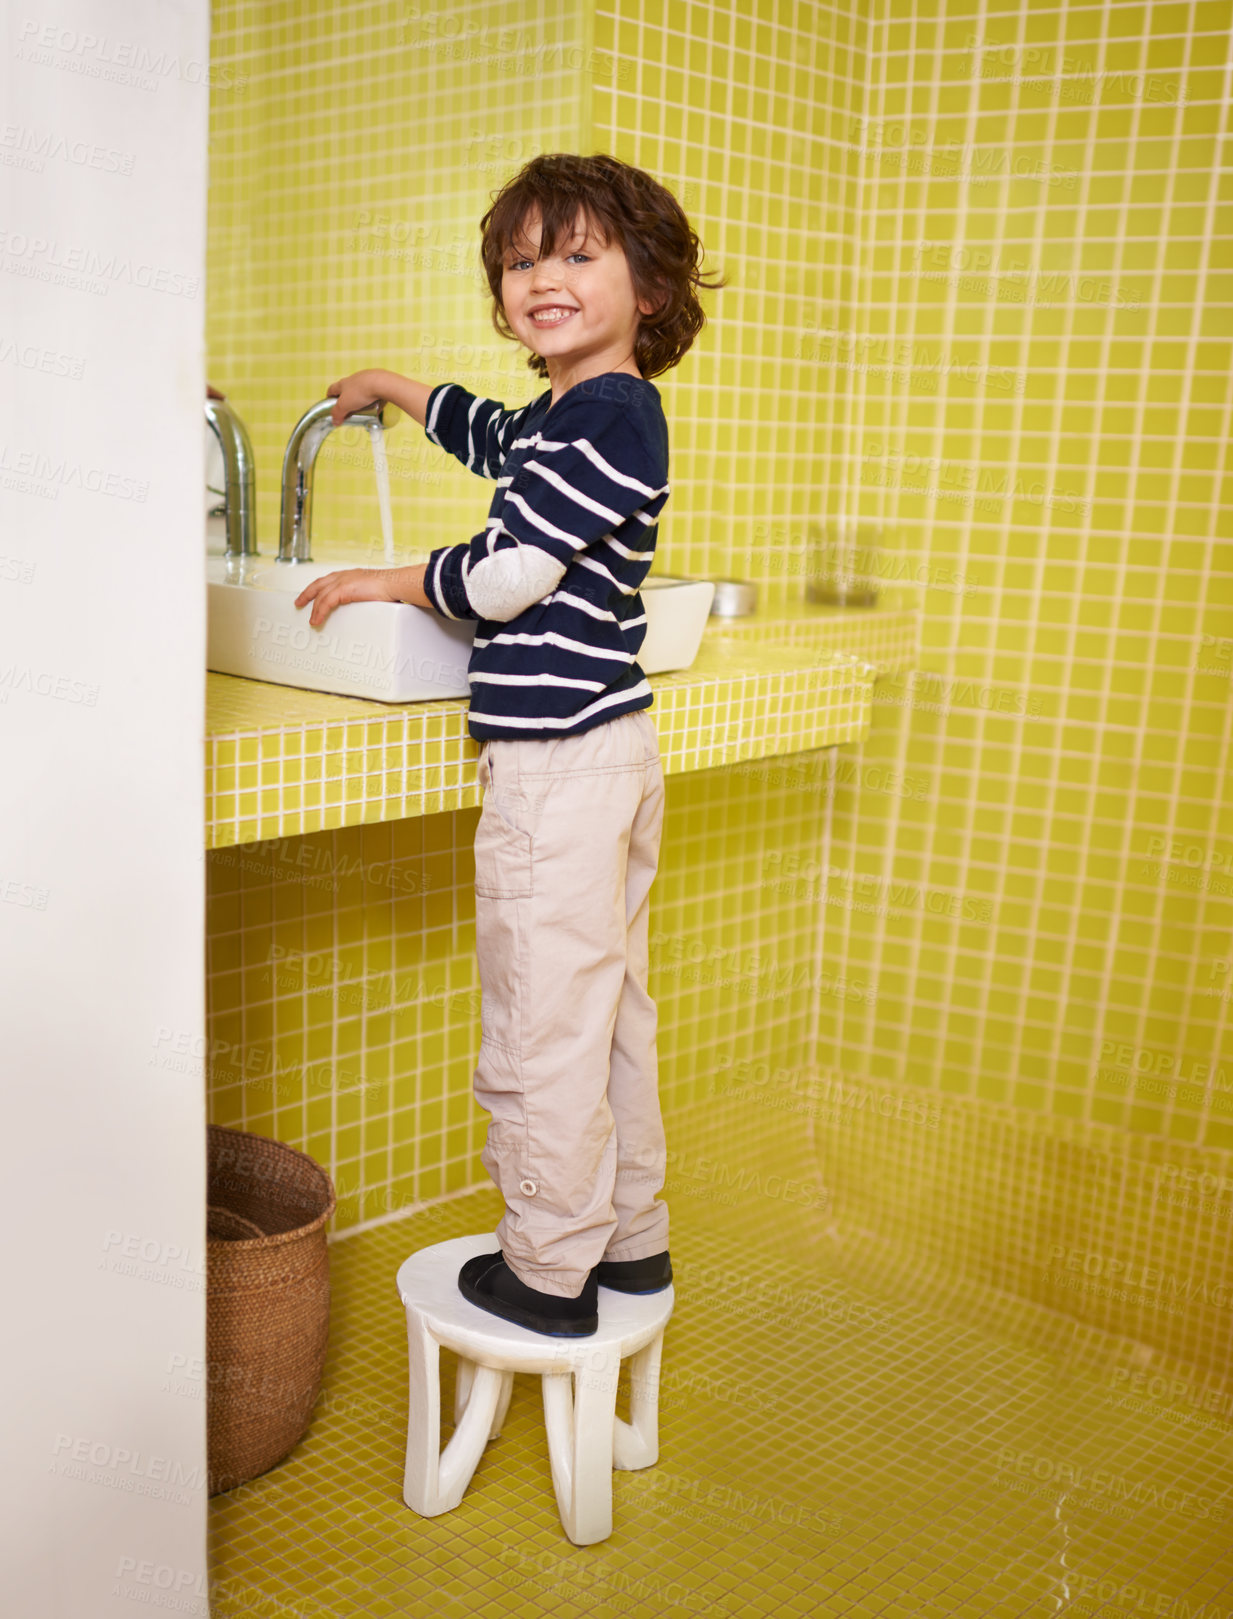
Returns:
(280, 761)
(886, 635)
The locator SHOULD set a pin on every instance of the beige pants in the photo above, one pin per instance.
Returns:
(565, 854)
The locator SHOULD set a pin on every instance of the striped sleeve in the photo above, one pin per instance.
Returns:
(477, 431)
(590, 475)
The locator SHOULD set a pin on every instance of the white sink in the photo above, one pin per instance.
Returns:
(389, 652)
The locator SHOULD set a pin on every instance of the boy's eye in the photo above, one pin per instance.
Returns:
(518, 264)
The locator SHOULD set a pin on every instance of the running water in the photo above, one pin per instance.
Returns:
(381, 467)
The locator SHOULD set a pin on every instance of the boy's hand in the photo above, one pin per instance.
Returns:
(363, 585)
(354, 392)
(366, 387)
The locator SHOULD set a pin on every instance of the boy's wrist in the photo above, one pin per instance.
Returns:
(408, 585)
(405, 392)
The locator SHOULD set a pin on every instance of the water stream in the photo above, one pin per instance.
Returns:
(381, 467)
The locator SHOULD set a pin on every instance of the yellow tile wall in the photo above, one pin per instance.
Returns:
(347, 181)
(344, 998)
(1043, 332)
(746, 112)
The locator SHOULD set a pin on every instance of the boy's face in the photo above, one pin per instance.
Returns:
(576, 307)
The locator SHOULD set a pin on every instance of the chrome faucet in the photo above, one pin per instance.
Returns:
(307, 437)
(240, 500)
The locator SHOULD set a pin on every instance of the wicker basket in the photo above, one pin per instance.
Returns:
(267, 1301)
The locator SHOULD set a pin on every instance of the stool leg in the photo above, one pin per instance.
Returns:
(435, 1480)
(420, 1484)
(635, 1443)
(580, 1421)
(507, 1388)
(462, 1386)
(462, 1392)
(461, 1456)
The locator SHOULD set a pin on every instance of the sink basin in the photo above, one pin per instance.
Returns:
(389, 652)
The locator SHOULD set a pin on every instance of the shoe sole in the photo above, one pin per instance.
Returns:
(583, 1328)
(640, 1292)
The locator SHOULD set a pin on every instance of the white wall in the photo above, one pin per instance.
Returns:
(103, 136)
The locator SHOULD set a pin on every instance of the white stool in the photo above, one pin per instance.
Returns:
(586, 1438)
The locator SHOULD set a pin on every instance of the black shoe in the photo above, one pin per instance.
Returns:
(650, 1275)
(487, 1281)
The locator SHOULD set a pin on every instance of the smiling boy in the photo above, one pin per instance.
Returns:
(594, 269)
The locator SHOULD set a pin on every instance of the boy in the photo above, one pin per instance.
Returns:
(593, 267)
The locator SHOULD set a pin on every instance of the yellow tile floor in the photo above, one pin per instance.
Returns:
(841, 1434)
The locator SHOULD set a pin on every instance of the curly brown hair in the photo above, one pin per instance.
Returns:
(621, 203)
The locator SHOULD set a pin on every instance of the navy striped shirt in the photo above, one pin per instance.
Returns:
(554, 577)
